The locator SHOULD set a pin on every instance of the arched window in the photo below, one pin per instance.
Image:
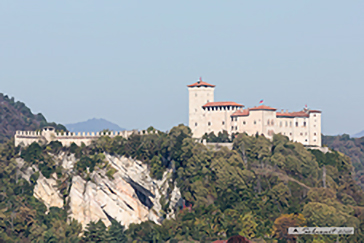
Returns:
(223, 123)
(209, 123)
(304, 124)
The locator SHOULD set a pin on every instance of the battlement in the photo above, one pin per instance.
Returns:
(48, 134)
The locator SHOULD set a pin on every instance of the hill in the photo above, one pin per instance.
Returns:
(15, 115)
(352, 147)
(257, 189)
(359, 134)
(93, 125)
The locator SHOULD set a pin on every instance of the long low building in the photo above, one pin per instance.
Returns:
(48, 134)
(206, 116)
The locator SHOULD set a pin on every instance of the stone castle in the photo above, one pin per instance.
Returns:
(48, 134)
(206, 116)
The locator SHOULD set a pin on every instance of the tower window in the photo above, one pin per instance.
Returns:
(209, 123)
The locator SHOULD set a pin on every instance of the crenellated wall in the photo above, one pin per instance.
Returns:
(48, 135)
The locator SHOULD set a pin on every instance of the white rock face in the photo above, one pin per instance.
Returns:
(46, 190)
(131, 197)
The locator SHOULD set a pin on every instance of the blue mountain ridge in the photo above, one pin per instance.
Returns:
(93, 125)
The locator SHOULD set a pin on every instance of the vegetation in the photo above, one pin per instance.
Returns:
(257, 189)
(352, 147)
(15, 115)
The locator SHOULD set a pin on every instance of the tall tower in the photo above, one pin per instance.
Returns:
(200, 93)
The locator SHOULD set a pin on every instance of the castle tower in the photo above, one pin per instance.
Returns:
(200, 93)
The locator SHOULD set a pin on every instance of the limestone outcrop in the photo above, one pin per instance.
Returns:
(131, 196)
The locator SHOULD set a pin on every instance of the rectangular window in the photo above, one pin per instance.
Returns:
(223, 123)
(243, 122)
(296, 124)
(209, 123)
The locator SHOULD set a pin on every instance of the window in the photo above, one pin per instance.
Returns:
(305, 140)
(195, 110)
(314, 115)
(314, 125)
(236, 118)
(301, 134)
(272, 122)
(268, 122)
(296, 124)
(223, 123)
(314, 134)
(290, 124)
(209, 123)
(195, 95)
(286, 123)
(232, 118)
(280, 124)
(304, 124)
(314, 140)
(232, 127)
(196, 124)
(243, 122)
(290, 134)
(255, 122)
(236, 128)
(305, 133)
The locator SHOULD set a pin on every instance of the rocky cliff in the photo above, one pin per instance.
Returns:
(130, 195)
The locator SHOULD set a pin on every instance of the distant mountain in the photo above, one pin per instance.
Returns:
(359, 135)
(15, 115)
(93, 125)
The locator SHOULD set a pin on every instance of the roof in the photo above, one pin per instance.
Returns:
(220, 241)
(314, 111)
(300, 114)
(200, 83)
(244, 112)
(284, 114)
(263, 107)
(224, 103)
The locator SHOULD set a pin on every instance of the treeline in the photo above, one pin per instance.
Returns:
(15, 115)
(257, 189)
(352, 147)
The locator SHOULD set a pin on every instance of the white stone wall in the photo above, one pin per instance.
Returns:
(199, 96)
(26, 138)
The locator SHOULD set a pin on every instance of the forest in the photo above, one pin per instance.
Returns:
(257, 190)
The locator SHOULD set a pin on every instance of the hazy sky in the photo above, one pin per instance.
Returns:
(130, 61)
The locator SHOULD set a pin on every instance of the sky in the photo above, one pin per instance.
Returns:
(130, 61)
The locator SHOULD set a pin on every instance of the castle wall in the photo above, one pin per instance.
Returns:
(26, 138)
(315, 129)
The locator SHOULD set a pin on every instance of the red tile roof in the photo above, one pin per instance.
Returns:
(314, 111)
(244, 112)
(300, 114)
(284, 114)
(200, 83)
(293, 114)
(263, 107)
(224, 103)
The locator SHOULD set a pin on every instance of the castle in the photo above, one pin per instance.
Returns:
(48, 134)
(206, 116)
